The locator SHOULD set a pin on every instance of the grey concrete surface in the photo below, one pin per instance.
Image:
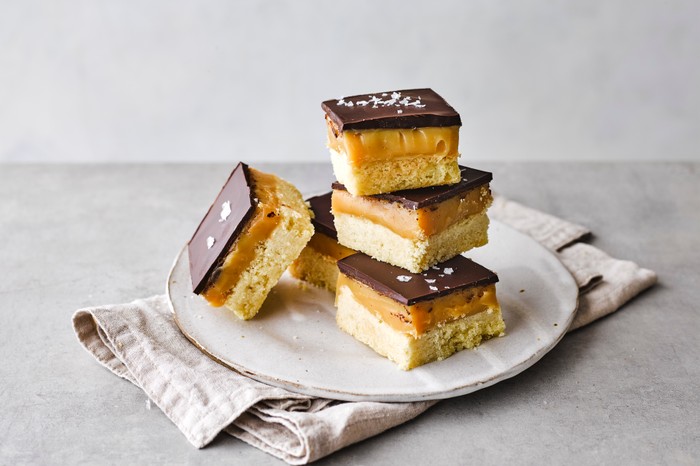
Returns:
(624, 390)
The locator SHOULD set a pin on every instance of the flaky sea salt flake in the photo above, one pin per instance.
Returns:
(210, 242)
(433, 288)
(225, 211)
(404, 278)
(448, 271)
(416, 103)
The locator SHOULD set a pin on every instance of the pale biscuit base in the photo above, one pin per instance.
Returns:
(316, 268)
(414, 255)
(407, 351)
(273, 256)
(386, 176)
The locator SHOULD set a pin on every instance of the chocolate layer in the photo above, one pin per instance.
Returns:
(323, 218)
(221, 226)
(423, 197)
(411, 108)
(409, 288)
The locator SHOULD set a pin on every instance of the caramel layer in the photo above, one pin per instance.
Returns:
(364, 146)
(426, 315)
(408, 223)
(259, 229)
(329, 247)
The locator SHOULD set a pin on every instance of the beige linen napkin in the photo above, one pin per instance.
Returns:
(140, 342)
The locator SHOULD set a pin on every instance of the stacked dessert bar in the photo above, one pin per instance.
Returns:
(389, 237)
(257, 225)
(317, 262)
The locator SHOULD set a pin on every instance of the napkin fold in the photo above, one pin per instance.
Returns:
(140, 342)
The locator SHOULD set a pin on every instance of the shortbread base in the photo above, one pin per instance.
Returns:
(407, 351)
(415, 255)
(316, 268)
(273, 256)
(386, 176)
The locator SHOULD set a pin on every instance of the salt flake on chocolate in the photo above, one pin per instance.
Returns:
(394, 100)
(404, 278)
(210, 242)
(406, 102)
(225, 211)
(429, 280)
(448, 271)
(433, 288)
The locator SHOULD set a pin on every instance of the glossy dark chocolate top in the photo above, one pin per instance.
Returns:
(221, 226)
(409, 288)
(423, 197)
(323, 218)
(411, 108)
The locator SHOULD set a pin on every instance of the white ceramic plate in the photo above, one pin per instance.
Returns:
(294, 343)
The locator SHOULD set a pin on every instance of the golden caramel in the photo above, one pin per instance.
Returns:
(408, 223)
(371, 145)
(423, 316)
(259, 228)
(329, 247)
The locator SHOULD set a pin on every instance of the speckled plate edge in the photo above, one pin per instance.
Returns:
(326, 392)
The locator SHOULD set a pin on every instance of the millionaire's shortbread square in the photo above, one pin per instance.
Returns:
(390, 141)
(413, 319)
(416, 228)
(317, 263)
(256, 227)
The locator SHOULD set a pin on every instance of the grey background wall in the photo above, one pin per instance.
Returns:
(173, 80)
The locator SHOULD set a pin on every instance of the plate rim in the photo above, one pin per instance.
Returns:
(344, 395)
